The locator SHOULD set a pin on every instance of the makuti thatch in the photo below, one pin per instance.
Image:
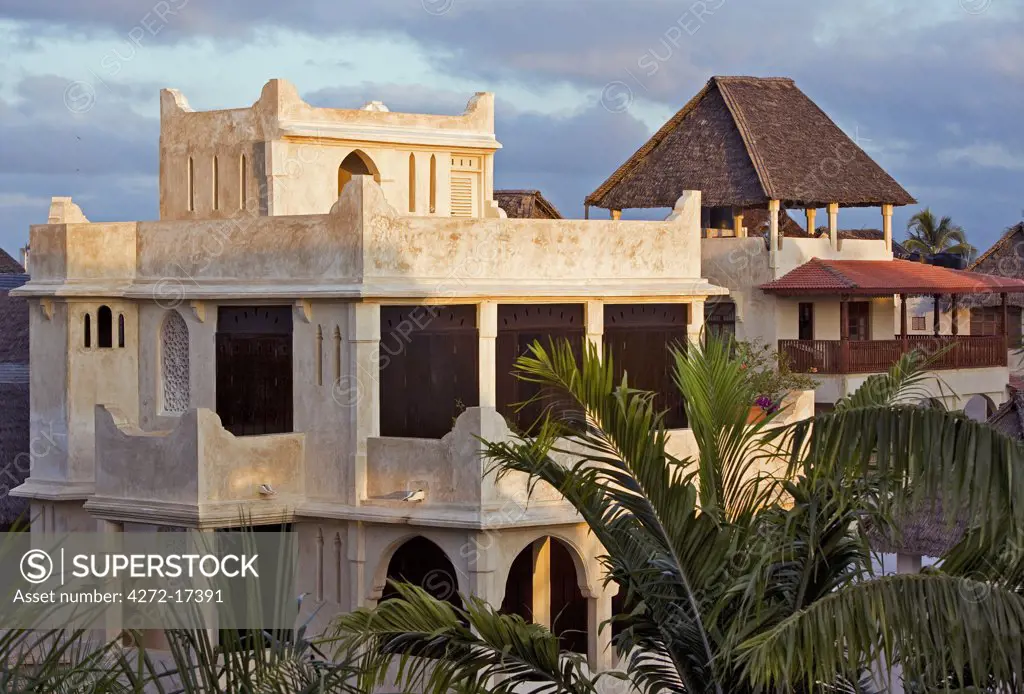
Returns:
(14, 406)
(1006, 259)
(743, 141)
(526, 204)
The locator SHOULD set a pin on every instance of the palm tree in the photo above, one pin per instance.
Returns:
(929, 236)
(748, 568)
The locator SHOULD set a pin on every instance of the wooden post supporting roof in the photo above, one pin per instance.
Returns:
(810, 213)
(903, 321)
(844, 334)
(935, 313)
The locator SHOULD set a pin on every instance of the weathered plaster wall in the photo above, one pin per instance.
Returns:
(742, 265)
(321, 408)
(195, 464)
(48, 396)
(106, 376)
(293, 150)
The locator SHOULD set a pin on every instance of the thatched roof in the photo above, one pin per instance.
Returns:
(743, 141)
(924, 532)
(8, 265)
(14, 390)
(1009, 418)
(756, 221)
(526, 204)
(1004, 258)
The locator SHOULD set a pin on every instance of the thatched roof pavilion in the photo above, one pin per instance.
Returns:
(752, 142)
(1006, 259)
(743, 141)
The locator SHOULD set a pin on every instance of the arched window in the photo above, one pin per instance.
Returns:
(191, 185)
(120, 330)
(243, 180)
(422, 563)
(104, 328)
(216, 183)
(88, 330)
(433, 184)
(174, 367)
(356, 164)
(412, 183)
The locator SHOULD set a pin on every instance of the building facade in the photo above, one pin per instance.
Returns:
(315, 333)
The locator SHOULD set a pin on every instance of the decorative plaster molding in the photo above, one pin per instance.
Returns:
(198, 310)
(46, 307)
(304, 310)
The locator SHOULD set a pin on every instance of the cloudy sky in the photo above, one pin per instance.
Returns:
(932, 89)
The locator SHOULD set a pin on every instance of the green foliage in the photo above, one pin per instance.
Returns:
(928, 235)
(769, 373)
(748, 568)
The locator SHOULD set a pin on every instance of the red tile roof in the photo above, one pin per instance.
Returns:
(884, 277)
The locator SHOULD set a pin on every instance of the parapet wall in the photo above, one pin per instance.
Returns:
(364, 248)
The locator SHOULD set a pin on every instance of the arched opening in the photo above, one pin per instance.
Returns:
(87, 341)
(191, 185)
(174, 363)
(104, 328)
(422, 563)
(433, 184)
(543, 587)
(120, 330)
(243, 180)
(980, 408)
(216, 184)
(356, 164)
(412, 183)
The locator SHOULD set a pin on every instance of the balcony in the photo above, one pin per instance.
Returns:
(196, 475)
(877, 356)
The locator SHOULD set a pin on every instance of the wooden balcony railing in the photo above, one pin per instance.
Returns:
(876, 356)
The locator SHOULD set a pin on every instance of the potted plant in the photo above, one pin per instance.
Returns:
(770, 377)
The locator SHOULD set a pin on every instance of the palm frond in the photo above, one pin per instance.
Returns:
(885, 617)
(432, 646)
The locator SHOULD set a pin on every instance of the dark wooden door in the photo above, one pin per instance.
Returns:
(638, 337)
(859, 320)
(254, 369)
(429, 368)
(805, 318)
(520, 325)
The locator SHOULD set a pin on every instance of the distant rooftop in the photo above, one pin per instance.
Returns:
(526, 204)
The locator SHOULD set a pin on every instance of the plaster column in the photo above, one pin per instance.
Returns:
(594, 318)
(599, 641)
(737, 226)
(484, 581)
(773, 231)
(359, 391)
(887, 226)
(356, 553)
(833, 224)
(541, 607)
(487, 329)
(694, 320)
(616, 214)
(810, 213)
